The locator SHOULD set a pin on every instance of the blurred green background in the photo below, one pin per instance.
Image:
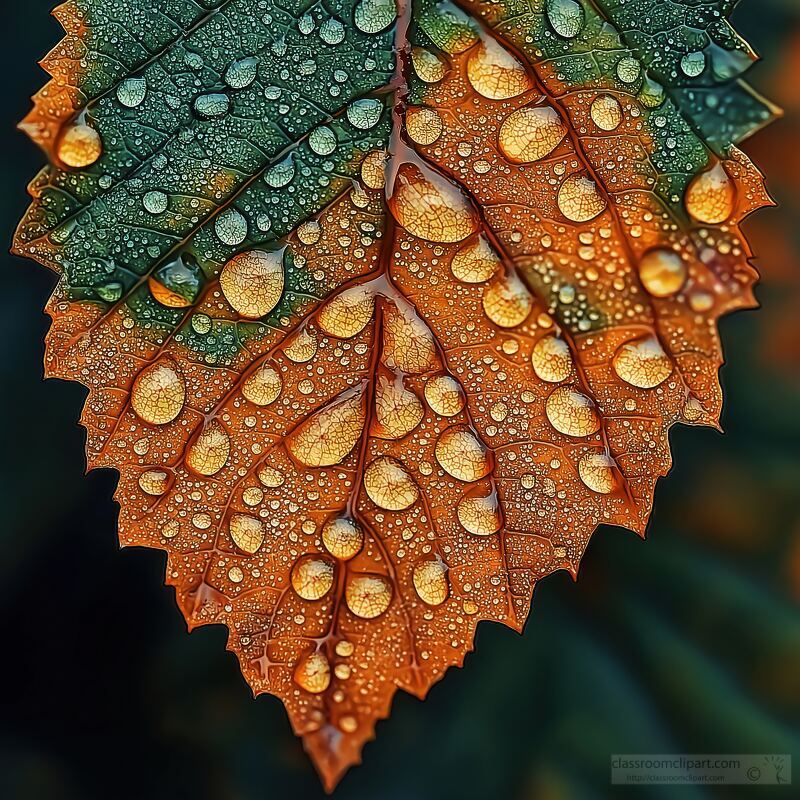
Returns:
(688, 642)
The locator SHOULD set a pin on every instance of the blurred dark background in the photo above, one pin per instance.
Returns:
(688, 642)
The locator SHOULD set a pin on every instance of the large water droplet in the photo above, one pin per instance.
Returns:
(242, 73)
(263, 386)
(572, 413)
(408, 344)
(364, 114)
(154, 482)
(566, 17)
(430, 581)
(368, 596)
(389, 485)
(480, 514)
(348, 313)
(529, 134)
(461, 454)
(431, 207)
(328, 436)
(423, 124)
(312, 577)
(247, 532)
(711, 196)
(158, 393)
(252, 282)
(209, 453)
(322, 140)
(598, 472)
(444, 395)
(177, 284)
(579, 199)
(212, 106)
(662, 272)
(342, 537)
(606, 112)
(551, 359)
(428, 66)
(313, 673)
(507, 301)
(231, 227)
(79, 146)
(642, 363)
(495, 73)
(397, 409)
(372, 16)
(132, 91)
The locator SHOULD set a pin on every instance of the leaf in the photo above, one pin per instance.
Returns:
(382, 311)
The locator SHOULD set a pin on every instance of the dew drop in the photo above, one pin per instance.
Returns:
(342, 537)
(711, 196)
(475, 262)
(263, 386)
(132, 91)
(462, 455)
(428, 66)
(389, 485)
(507, 301)
(270, 477)
(312, 577)
(494, 73)
(252, 282)
(480, 515)
(372, 16)
(368, 596)
(444, 395)
(579, 199)
(566, 17)
(348, 313)
(424, 125)
(662, 272)
(231, 227)
(408, 344)
(212, 106)
(154, 482)
(572, 413)
(430, 581)
(177, 284)
(529, 134)
(242, 73)
(247, 532)
(209, 453)
(313, 673)
(364, 114)
(155, 202)
(397, 409)
(642, 363)
(597, 471)
(551, 359)
(606, 112)
(79, 146)
(158, 393)
(322, 140)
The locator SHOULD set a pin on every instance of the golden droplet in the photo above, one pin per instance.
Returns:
(461, 454)
(480, 515)
(529, 134)
(270, 477)
(507, 301)
(348, 313)
(79, 146)
(389, 485)
(252, 282)
(571, 412)
(597, 471)
(312, 577)
(348, 724)
(329, 435)
(642, 363)
(373, 169)
(551, 359)
(158, 393)
(475, 262)
(342, 537)
(495, 73)
(166, 297)
(423, 124)
(711, 196)
(397, 409)
(247, 532)
(662, 272)
(444, 395)
(428, 66)
(263, 386)
(209, 453)
(344, 648)
(368, 596)
(579, 199)
(302, 347)
(430, 582)
(408, 344)
(313, 673)
(154, 482)
(431, 207)
(606, 112)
